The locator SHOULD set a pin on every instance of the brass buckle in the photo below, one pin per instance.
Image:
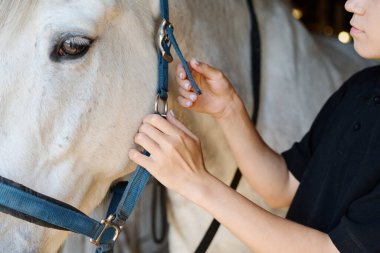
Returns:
(165, 106)
(108, 223)
(162, 37)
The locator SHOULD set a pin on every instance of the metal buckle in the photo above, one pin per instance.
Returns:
(162, 37)
(165, 106)
(108, 223)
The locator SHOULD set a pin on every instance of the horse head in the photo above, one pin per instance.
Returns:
(77, 77)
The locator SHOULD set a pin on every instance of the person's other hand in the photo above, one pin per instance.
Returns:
(217, 91)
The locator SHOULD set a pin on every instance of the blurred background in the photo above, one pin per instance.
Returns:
(327, 17)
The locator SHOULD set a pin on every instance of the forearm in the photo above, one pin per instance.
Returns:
(264, 169)
(176, 161)
(260, 230)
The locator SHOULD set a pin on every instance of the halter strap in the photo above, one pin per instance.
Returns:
(40, 209)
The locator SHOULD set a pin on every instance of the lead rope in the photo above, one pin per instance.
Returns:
(256, 70)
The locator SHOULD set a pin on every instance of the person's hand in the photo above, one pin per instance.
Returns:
(176, 157)
(217, 91)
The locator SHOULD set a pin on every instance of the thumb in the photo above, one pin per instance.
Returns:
(205, 69)
(172, 119)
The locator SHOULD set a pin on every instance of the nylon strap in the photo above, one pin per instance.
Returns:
(132, 194)
(43, 210)
(183, 61)
(163, 65)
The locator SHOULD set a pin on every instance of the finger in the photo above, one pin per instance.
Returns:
(181, 73)
(141, 159)
(160, 123)
(184, 83)
(153, 133)
(172, 119)
(184, 102)
(206, 70)
(147, 143)
(188, 94)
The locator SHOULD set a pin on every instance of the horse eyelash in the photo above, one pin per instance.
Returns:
(80, 41)
(75, 40)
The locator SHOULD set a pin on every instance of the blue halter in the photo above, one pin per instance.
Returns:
(22, 202)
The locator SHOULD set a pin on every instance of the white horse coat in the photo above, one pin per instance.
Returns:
(66, 125)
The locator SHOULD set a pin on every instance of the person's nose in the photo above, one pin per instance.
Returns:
(355, 6)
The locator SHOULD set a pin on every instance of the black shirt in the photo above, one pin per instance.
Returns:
(338, 165)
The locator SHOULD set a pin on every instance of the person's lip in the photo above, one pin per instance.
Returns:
(356, 30)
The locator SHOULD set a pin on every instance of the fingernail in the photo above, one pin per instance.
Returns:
(181, 75)
(172, 113)
(188, 104)
(187, 85)
(193, 97)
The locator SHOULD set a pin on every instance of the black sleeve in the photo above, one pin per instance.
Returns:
(298, 156)
(359, 229)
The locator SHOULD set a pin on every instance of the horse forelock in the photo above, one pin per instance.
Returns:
(14, 13)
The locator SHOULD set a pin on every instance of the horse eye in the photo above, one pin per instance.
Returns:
(71, 47)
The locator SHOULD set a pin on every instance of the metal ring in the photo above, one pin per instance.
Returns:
(156, 109)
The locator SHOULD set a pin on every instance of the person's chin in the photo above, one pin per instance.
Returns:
(366, 51)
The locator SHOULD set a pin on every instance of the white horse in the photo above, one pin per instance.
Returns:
(78, 76)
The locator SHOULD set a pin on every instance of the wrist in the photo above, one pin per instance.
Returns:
(196, 190)
(207, 193)
(234, 108)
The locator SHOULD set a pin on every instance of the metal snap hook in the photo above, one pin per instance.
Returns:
(162, 38)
